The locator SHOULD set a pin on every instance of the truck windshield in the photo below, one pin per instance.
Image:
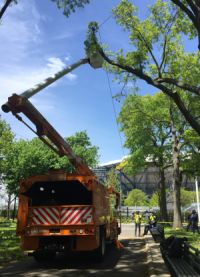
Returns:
(58, 193)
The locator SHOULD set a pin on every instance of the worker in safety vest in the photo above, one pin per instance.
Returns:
(152, 222)
(137, 217)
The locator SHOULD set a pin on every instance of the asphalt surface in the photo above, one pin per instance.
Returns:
(131, 260)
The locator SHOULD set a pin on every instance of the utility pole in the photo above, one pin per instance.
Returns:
(197, 196)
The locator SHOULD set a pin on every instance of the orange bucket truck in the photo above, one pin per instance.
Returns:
(61, 212)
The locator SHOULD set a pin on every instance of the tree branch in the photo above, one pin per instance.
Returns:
(150, 51)
(4, 8)
(193, 7)
(163, 54)
(180, 84)
(185, 9)
(193, 14)
(172, 94)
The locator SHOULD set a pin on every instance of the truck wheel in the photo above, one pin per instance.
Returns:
(44, 256)
(100, 251)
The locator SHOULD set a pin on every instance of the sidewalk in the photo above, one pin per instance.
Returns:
(156, 263)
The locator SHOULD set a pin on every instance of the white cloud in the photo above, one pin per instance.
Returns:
(20, 79)
(20, 30)
(55, 64)
(68, 58)
(23, 64)
(71, 76)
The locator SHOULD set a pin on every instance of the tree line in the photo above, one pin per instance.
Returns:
(136, 197)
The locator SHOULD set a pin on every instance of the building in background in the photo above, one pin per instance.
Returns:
(146, 180)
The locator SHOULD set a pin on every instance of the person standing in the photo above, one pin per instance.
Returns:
(194, 221)
(189, 222)
(137, 219)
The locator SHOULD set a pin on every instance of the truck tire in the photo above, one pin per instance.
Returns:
(100, 251)
(44, 256)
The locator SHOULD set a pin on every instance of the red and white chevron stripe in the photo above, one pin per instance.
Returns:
(45, 215)
(76, 215)
(64, 215)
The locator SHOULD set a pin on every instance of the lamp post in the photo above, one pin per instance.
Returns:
(197, 196)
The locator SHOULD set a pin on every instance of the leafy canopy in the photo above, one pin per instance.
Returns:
(136, 197)
(28, 158)
(69, 6)
(158, 55)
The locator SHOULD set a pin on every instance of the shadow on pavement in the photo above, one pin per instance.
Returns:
(117, 262)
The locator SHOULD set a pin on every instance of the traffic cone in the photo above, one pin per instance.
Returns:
(118, 244)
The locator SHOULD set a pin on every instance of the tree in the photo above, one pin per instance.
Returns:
(146, 125)
(169, 69)
(136, 197)
(6, 139)
(154, 200)
(156, 131)
(28, 158)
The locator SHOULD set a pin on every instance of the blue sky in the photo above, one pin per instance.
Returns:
(37, 40)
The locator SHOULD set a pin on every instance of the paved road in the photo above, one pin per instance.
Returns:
(129, 261)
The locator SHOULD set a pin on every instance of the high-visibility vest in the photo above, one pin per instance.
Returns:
(152, 218)
(137, 218)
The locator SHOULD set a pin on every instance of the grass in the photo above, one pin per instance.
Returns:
(9, 243)
(193, 239)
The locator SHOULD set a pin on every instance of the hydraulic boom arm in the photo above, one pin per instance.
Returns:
(20, 104)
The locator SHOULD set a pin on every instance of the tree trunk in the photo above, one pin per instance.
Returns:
(162, 198)
(8, 206)
(176, 177)
(14, 209)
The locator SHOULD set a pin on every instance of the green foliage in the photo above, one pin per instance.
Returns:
(136, 197)
(191, 159)
(6, 139)
(69, 6)
(187, 197)
(82, 147)
(28, 158)
(112, 180)
(146, 125)
(158, 56)
(154, 200)
(91, 46)
(188, 29)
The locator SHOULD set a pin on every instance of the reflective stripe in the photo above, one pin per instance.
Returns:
(65, 215)
(75, 215)
(44, 215)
